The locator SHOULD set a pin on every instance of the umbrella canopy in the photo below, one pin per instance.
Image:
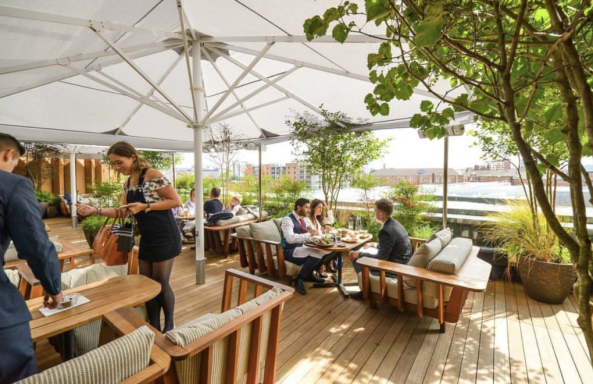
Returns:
(75, 71)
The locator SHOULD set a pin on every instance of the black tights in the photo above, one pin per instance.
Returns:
(160, 272)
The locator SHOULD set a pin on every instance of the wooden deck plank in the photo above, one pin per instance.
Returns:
(328, 339)
(485, 368)
(516, 352)
(502, 373)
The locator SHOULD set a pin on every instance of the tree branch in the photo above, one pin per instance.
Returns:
(588, 182)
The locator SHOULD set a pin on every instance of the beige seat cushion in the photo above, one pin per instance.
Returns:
(241, 211)
(12, 255)
(243, 231)
(278, 223)
(452, 257)
(86, 337)
(443, 235)
(188, 370)
(423, 255)
(266, 230)
(112, 363)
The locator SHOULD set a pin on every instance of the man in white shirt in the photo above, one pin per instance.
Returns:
(294, 233)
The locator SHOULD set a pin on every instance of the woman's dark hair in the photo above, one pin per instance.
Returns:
(384, 205)
(123, 149)
(192, 191)
(312, 216)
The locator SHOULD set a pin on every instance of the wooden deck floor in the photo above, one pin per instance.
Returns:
(502, 336)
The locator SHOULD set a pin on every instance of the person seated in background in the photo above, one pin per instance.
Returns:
(294, 233)
(187, 227)
(316, 220)
(235, 203)
(394, 243)
(190, 204)
(214, 205)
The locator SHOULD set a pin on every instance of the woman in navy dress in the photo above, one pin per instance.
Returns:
(150, 198)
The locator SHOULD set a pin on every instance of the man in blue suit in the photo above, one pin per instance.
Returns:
(20, 220)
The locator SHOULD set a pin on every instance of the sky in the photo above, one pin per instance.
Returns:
(405, 150)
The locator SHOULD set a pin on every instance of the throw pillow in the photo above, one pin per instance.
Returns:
(241, 211)
(445, 236)
(422, 257)
(266, 230)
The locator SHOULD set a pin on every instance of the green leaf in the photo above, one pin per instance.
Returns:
(429, 30)
(426, 106)
(553, 113)
(448, 113)
(340, 32)
(384, 110)
(376, 9)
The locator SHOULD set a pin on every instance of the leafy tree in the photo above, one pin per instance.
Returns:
(409, 207)
(248, 187)
(109, 194)
(525, 64)
(366, 183)
(329, 148)
(38, 168)
(224, 151)
(160, 160)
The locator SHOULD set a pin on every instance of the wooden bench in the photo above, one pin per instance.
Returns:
(472, 277)
(219, 239)
(231, 330)
(256, 254)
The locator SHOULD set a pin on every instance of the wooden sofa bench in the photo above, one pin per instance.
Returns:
(426, 290)
(218, 237)
(240, 338)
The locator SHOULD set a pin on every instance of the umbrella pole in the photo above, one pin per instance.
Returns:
(259, 189)
(445, 181)
(73, 196)
(198, 139)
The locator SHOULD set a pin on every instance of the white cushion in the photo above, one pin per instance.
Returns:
(266, 230)
(112, 363)
(13, 276)
(422, 257)
(452, 257)
(444, 236)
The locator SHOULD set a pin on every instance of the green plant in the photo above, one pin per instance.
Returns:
(285, 192)
(517, 234)
(44, 197)
(109, 194)
(409, 208)
(92, 223)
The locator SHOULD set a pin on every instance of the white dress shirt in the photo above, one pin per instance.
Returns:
(297, 238)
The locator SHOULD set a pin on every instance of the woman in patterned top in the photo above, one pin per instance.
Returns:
(150, 198)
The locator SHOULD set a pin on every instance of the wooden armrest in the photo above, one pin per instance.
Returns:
(124, 321)
(256, 240)
(258, 280)
(475, 283)
(27, 274)
(417, 239)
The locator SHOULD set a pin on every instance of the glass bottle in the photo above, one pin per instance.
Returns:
(357, 226)
(351, 222)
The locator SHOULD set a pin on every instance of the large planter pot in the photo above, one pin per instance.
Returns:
(43, 208)
(52, 211)
(89, 235)
(546, 282)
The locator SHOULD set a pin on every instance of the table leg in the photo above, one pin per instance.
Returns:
(67, 345)
(337, 284)
(227, 242)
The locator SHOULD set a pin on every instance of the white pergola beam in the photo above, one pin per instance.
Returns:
(142, 100)
(266, 80)
(141, 73)
(246, 70)
(221, 115)
(55, 79)
(228, 84)
(77, 21)
(352, 39)
(240, 112)
(150, 93)
(85, 56)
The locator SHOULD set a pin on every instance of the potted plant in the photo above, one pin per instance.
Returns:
(43, 198)
(91, 226)
(54, 203)
(543, 263)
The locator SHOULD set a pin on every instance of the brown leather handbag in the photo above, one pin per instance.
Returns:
(105, 243)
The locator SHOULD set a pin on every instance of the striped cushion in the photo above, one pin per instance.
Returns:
(188, 370)
(444, 235)
(112, 363)
(86, 337)
(451, 257)
(12, 255)
(13, 276)
(422, 257)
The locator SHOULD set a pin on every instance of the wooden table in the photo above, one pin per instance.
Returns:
(345, 250)
(105, 296)
(69, 251)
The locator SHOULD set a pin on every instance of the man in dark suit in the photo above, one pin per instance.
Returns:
(20, 220)
(214, 205)
(394, 244)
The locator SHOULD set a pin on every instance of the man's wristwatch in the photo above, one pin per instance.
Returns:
(147, 207)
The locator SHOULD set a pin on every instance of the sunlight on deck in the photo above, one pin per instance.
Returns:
(502, 335)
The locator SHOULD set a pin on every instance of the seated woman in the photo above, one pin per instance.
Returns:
(394, 243)
(235, 203)
(190, 205)
(316, 221)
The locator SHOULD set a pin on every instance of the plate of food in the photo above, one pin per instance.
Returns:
(350, 239)
(321, 241)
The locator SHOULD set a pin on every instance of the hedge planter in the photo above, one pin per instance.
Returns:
(43, 208)
(546, 282)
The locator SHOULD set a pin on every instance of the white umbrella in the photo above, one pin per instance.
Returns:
(98, 72)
